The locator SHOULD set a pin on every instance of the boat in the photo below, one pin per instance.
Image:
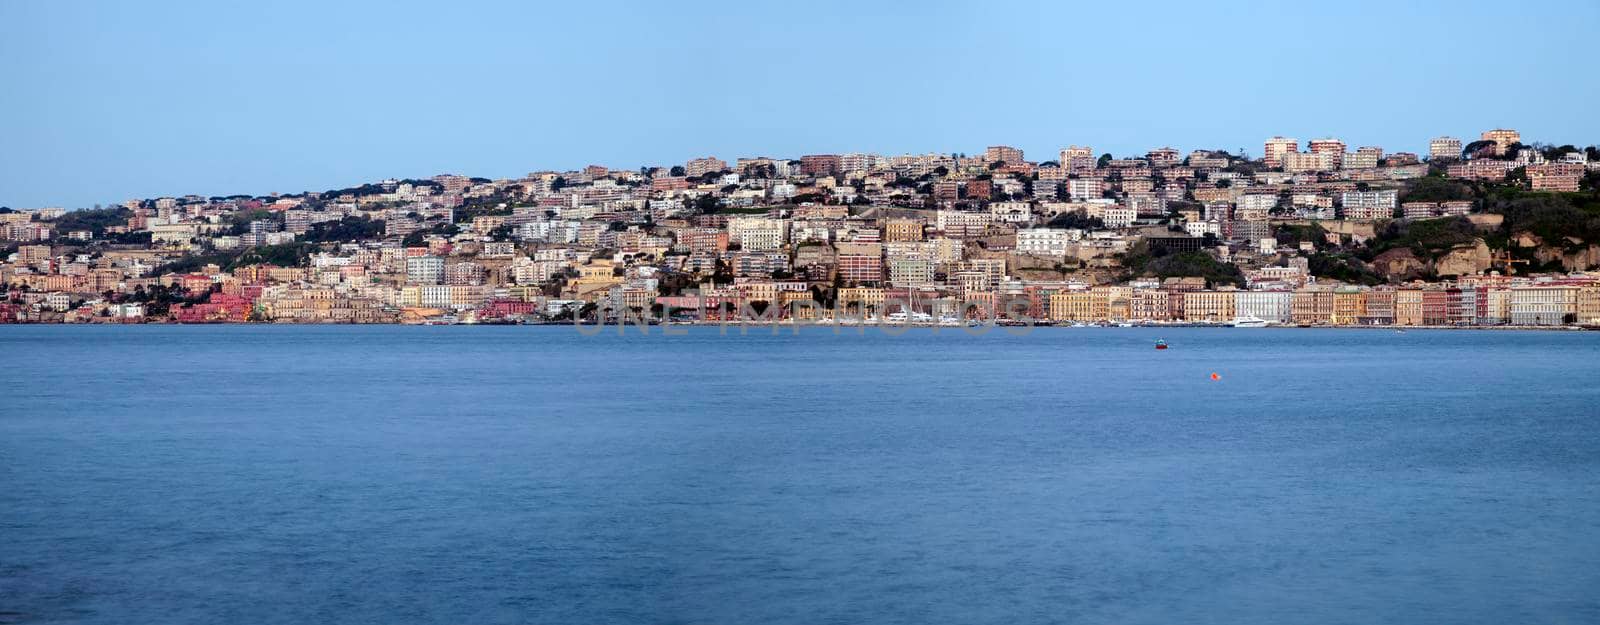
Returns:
(1249, 321)
(1161, 343)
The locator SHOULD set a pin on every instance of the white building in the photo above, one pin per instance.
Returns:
(1543, 305)
(1044, 242)
(1118, 216)
(1369, 204)
(1010, 212)
(757, 234)
(909, 271)
(1444, 147)
(1268, 305)
(425, 270)
(1084, 188)
(1202, 228)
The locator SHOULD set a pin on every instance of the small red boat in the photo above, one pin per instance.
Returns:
(1161, 344)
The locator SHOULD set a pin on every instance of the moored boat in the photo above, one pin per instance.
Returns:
(1249, 322)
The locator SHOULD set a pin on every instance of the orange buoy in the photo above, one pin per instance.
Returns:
(1215, 376)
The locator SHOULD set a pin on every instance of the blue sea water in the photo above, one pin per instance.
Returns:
(247, 474)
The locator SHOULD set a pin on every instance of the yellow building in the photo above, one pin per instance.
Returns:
(902, 230)
(1209, 306)
(1349, 306)
(860, 300)
(1408, 307)
(1313, 306)
(1589, 305)
(1119, 302)
(1078, 306)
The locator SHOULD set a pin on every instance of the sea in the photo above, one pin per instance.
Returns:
(485, 475)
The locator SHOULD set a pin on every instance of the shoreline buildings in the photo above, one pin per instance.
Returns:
(1310, 234)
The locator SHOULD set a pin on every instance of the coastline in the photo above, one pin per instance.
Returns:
(856, 326)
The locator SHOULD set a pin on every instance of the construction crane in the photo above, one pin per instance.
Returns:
(1504, 260)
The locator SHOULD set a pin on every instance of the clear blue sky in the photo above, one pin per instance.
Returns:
(103, 101)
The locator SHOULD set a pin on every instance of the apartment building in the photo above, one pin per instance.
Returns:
(1002, 154)
(1378, 204)
(1334, 148)
(906, 229)
(1562, 177)
(1213, 306)
(758, 234)
(1502, 138)
(1543, 305)
(1444, 148)
(425, 270)
(1044, 242)
(1276, 148)
(1269, 305)
(860, 262)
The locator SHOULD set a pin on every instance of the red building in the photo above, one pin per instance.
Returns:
(819, 164)
(219, 308)
(860, 268)
(507, 308)
(1436, 307)
(980, 189)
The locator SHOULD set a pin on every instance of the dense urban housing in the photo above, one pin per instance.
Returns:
(1486, 232)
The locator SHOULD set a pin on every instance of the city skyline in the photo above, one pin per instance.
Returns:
(116, 103)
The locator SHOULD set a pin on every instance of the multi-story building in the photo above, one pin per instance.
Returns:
(1309, 162)
(1276, 148)
(1003, 154)
(1118, 216)
(1363, 158)
(1334, 148)
(1162, 157)
(961, 224)
(1076, 305)
(1544, 305)
(1587, 305)
(857, 162)
(1086, 188)
(910, 271)
(1149, 305)
(758, 234)
(1564, 177)
(905, 229)
(425, 270)
(860, 262)
(1481, 169)
(819, 164)
(1380, 307)
(1377, 204)
(464, 274)
(1268, 305)
(1349, 306)
(1216, 306)
(1503, 138)
(1044, 242)
(1010, 212)
(1256, 205)
(1444, 148)
(1311, 306)
(703, 166)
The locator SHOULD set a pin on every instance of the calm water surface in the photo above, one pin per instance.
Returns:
(532, 475)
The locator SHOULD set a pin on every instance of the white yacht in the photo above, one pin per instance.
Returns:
(1250, 322)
